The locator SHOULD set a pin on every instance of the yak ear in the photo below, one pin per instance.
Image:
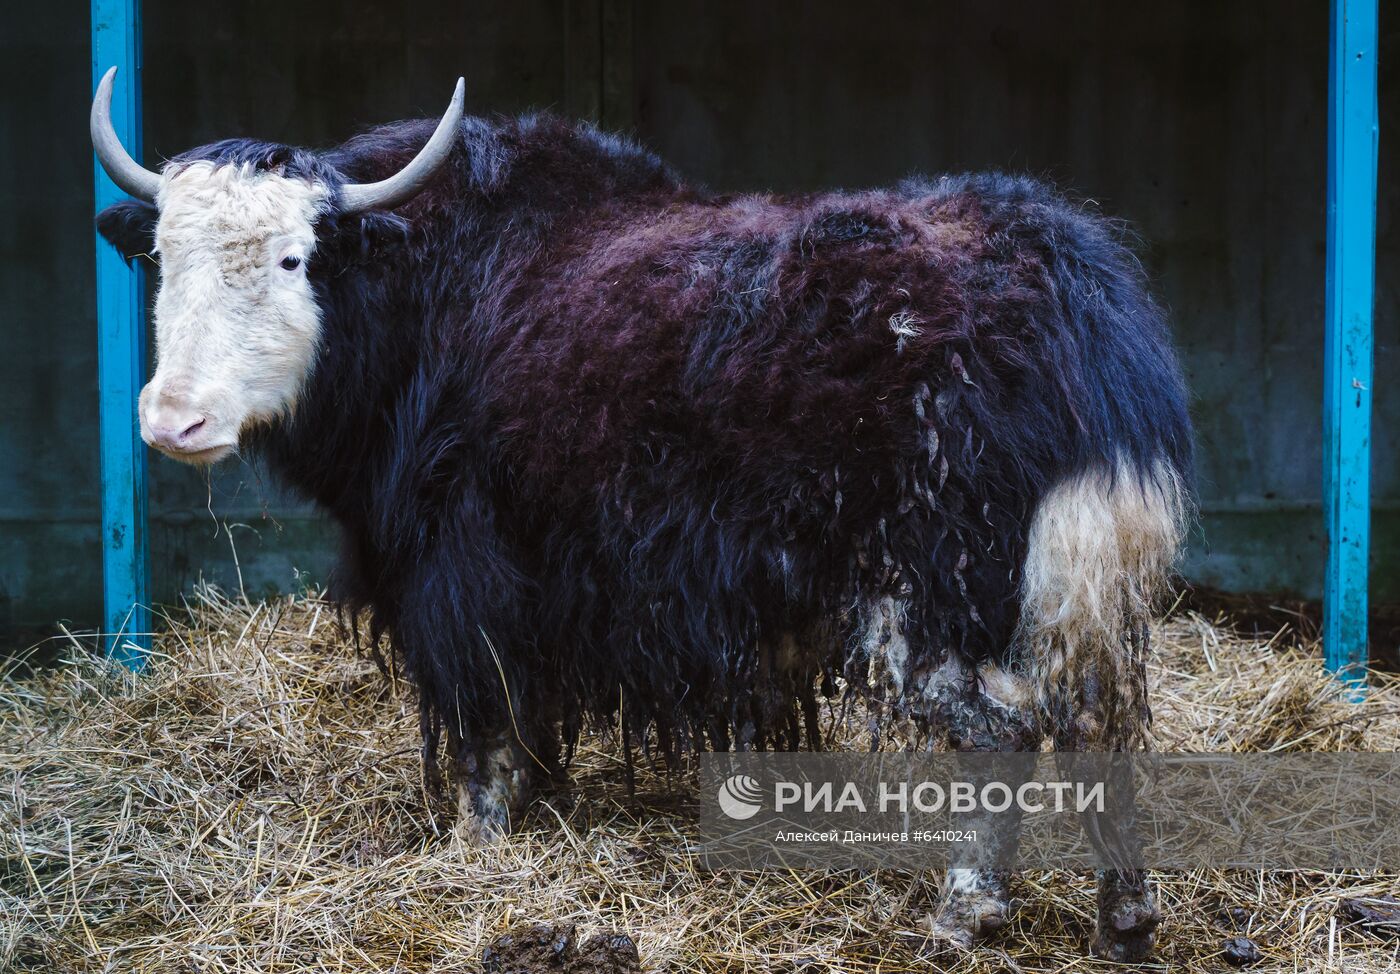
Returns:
(364, 236)
(130, 226)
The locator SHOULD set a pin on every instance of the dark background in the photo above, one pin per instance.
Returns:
(1204, 124)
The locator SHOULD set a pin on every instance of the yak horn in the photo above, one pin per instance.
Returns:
(412, 178)
(125, 171)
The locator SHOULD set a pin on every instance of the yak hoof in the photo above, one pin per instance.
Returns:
(493, 789)
(479, 831)
(482, 819)
(975, 906)
(1126, 930)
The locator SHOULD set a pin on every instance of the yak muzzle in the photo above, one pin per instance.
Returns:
(175, 427)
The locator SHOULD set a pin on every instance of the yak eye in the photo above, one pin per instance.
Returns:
(291, 262)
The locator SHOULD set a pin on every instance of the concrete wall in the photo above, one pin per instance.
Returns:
(1202, 123)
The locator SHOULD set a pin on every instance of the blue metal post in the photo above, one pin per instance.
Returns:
(1352, 137)
(121, 358)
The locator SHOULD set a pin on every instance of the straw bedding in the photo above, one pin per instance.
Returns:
(253, 803)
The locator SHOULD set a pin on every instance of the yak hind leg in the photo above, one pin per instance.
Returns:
(1128, 918)
(1125, 930)
(985, 710)
(1099, 558)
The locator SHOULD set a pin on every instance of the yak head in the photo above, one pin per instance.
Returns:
(237, 325)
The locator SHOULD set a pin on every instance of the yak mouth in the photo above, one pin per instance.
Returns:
(205, 456)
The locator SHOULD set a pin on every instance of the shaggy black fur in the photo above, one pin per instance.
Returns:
(595, 437)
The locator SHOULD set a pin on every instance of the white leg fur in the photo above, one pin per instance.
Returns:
(499, 784)
(1102, 547)
(974, 904)
(885, 643)
(965, 880)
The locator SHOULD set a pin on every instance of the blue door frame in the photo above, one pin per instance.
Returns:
(121, 359)
(1352, 140)
(1353, 135)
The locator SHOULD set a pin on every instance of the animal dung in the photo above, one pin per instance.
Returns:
(1379, 914)
(546, 949)
(1241, 952)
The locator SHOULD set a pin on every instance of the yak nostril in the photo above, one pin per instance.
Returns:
(173, 427)
(191, 429)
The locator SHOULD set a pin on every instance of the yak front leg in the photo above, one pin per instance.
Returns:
(492, 788)
(497, 776)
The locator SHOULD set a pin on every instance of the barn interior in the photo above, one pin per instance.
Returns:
(1203, 126)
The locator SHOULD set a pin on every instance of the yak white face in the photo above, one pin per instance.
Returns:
(236, 322)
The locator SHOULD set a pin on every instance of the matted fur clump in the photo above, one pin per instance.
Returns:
(253, 803)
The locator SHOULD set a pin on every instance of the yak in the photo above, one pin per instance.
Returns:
(603, 445)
